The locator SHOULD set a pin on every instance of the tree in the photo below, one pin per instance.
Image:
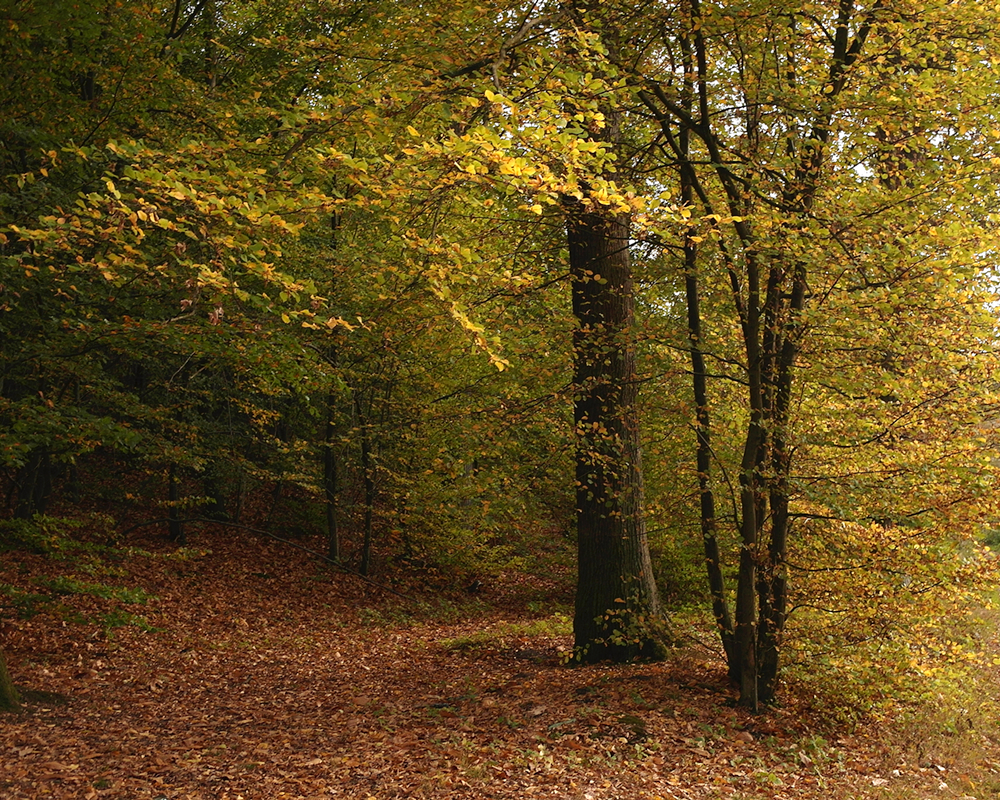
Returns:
(485, 155)
(771, 119)
(617, 599)
(135, 322)
(616, 595)
(9, 697)
(793, 196)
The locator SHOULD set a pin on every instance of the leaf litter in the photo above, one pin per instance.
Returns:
(261, 675)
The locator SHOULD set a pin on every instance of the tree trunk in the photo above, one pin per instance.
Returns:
(616, 593)
(212, 481)
(330, 475)
(770, 314)
(699, 378)
(34, 484)
(368, 471)
(175, 524)
(211, 48)
(331, 467)
(9, 698)
(773, 582)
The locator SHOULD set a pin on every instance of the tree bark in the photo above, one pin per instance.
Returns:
(176, 523)
(769, 295)
(616, 593)
(331, 467)
(9, 698)
(368, 471)
(34, 484)
(699, 379)
(330, 477)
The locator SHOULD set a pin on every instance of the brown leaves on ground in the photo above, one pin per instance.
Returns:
(272, 677)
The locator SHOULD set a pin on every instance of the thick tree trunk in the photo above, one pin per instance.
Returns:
(616, 593)
(9, 698)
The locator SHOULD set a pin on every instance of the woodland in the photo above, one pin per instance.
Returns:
(483, 399)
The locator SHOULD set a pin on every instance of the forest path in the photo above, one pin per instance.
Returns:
(271, 677)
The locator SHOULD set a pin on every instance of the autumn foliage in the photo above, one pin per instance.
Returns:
(695, 302)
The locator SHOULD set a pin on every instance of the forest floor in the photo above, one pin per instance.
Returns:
(265, 674)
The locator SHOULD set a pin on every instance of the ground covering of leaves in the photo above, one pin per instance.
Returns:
(270, 676)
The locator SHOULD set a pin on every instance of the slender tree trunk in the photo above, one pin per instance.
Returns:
(746, 601)
(774, 584)
(34, 484)
(241, 493)
(616, 592)
(213, 481)
(9, 698)
(368, 470)
(771, 320)
(703, 459)
(175, 524)
(773, 593)
(211, 49)
(699, 378)
(73, 486)
(330, 477)
(330, 455)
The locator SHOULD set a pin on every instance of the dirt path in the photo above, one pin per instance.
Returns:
(271, 678)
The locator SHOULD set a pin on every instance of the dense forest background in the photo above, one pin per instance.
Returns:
(694, 300)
